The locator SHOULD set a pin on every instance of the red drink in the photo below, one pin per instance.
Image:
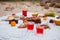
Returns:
(39, 30)
(30, 26)
(24, 12)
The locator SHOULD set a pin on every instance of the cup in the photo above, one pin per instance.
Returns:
(30, 26)
(24, 12)
(39, 30)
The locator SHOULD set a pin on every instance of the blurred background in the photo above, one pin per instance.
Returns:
(40, 6)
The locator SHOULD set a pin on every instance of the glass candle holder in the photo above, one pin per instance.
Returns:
(39, 30)
(24, 12)
(30, 26)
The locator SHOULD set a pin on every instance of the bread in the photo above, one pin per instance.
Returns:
(10, 18)
(57, 22)
(45, 26)
(16, 16)
(35, 14)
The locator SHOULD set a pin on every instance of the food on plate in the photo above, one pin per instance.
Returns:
(52, 14)
(57, 22)
(22, 26)
(45, 26)
(13, 23)
(16, 16)
(35, 14)
(22, 17)
(51, 21)
(25, 21)
(25, 18)
(33, 19)
(30, 18)
(10, 18)
(13, 20)
(37, 20)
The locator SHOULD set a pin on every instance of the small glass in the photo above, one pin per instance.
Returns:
(30, 26)
(38, 21)
(24, 12)
(39, 30)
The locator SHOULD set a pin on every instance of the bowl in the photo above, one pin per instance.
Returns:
(57, 22)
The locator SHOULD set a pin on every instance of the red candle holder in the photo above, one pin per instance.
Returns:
(30, 26)
(24, 12)
(39, 30)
